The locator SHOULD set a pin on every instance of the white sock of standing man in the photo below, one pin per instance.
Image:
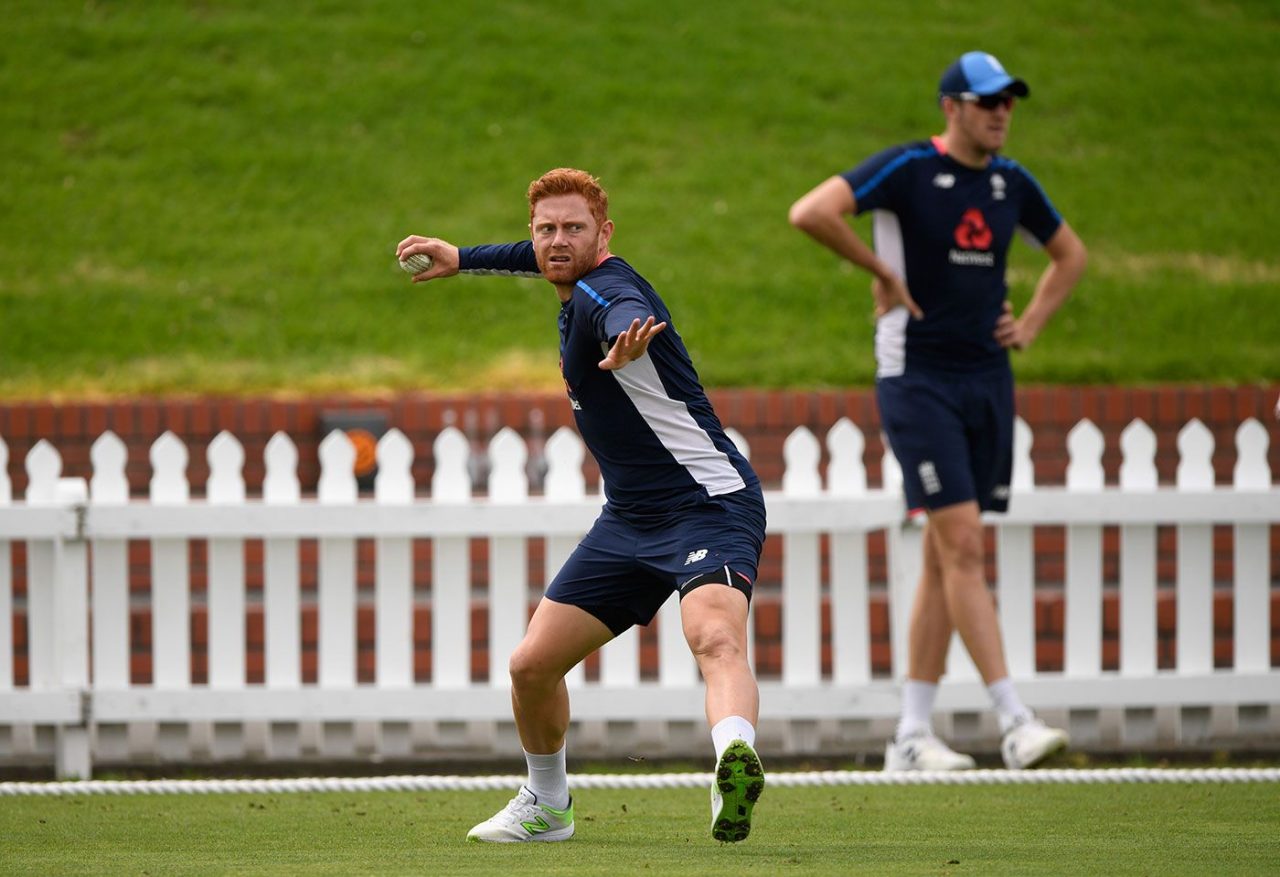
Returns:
(548, 778)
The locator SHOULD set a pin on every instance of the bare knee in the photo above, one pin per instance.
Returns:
(530, 671)
(960, 549)
(717, 642)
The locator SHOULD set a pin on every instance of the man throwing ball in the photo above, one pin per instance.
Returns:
(684, 510)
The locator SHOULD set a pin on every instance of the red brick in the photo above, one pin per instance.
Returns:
(200, 419)
(1143, 406)
(44, 421)
(1033, 404)
(69, 421)
(1166, 612)
(95, 422)
(1169, 406)
(174, 418)
(17, 423)
(1249, 402)
(1110, 612)
(147, 419)
(768, 620)
(1195, 403)
(275, 418)
(1115, 414)
(1049, 656)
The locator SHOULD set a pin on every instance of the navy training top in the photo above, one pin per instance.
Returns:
(946, 229)
(650, 426)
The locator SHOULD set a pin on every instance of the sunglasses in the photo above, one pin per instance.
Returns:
(987, 101)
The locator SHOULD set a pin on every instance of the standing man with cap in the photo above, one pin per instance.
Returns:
(946, 210)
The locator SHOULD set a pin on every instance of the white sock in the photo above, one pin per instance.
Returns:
(729, 729)
(1007, 703)
(917, 708)
(548, 778)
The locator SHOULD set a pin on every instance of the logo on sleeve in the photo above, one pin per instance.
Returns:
(973, 237)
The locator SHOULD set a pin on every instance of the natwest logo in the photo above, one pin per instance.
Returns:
(973, 233)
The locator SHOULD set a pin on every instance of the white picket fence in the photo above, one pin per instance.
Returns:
(79, 705)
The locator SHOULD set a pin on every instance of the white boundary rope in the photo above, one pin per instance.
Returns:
(1102, 776)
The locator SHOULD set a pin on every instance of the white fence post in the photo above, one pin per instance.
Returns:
(6, 583)
(393, 597)
(903, 544)
(1083, 587)
(226, 589)
(1195, 575)
(508, 562)
(170, 593)
(564, 482)
(850, 609)
(1251, 563)
(336, 583)
(282, 597)
(451, 569)
(1138, 579)
(110, 487)
(1015, 566)
(801, 585)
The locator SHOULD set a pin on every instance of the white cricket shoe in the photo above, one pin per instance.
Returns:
(1029, 742)
(924, 751)
(524, 819)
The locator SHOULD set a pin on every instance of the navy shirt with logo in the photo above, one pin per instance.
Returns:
(946, 229)
(650, 426)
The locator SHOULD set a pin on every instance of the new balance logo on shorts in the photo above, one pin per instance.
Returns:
(695, 556)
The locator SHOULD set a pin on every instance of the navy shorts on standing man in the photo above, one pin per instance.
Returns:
(952, 436)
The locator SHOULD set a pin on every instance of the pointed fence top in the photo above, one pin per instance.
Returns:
(451, 481)
(225, 456)
(507, 457)
(1138, 446)
(1085, 445)
(564, 453)
(1252, 471)
(801, 453)
(280, 485)
(337, 484)
(1195, 457)
(846, 474)
(169, 471)
(44, 467)
(109, 484)
(394, 482)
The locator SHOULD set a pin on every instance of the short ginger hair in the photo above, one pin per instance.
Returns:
(569, 181)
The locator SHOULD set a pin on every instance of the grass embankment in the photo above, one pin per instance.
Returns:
(204, 197)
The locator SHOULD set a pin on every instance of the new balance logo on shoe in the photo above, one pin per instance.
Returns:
(537, 826)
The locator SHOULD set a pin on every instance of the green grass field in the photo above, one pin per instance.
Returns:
(1092, 829)
(204, 196)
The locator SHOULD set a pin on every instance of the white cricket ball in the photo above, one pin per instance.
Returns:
(417, 263)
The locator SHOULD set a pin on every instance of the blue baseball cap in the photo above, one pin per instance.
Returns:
(979, 73)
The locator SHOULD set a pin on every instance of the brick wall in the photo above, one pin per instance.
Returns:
(764, 418)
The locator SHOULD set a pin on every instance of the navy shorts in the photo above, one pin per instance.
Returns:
(952, 435)
(622, 574)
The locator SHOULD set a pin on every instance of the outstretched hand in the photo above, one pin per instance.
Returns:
(444, 256)
(631, 344)
(891, 293)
